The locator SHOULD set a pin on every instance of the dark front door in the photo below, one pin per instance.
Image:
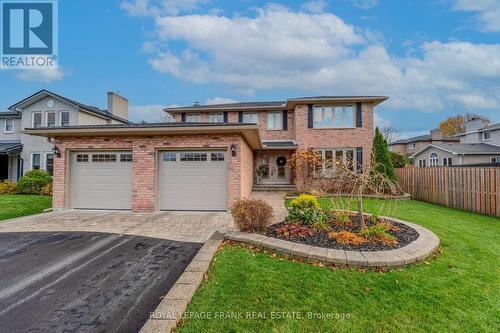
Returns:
(4, 167)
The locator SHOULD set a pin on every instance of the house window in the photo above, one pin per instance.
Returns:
(433, 160)
(126, 158)
(9, 126)
(193, 118)
(275, 121)
(217, 156)
(49, 163)
(250, 118)
(35, 161)
(82, 158)
(169, 157)
(104, 158)
(64, 118)
(333, 116)
(215, 118)
(37, 120)
(412, 146)
(51, 119)
(495, 159)
(193, 157)
(486, 136)
(447, 161)
(333, 157)
(421, 163)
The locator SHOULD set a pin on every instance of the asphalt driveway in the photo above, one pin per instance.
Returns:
(85, 282)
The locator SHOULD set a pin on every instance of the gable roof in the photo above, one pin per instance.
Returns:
(462, 148)
(419, 138)
(277, 105)
(491, 127)
(43, 93)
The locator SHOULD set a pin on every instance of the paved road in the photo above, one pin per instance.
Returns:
(85, 282)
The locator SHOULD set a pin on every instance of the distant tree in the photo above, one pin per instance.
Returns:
(398, 160)
(381, 157)
(456, 124)
(390, 134)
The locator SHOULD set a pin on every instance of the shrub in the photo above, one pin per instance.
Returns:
(398, 160)
(377, 234)
(7, 187)
(305, 201)
(47, 190)
(388, 226)
(303, 216)
(33, 182)
(321, 225)
(346, 237)
(342, 218)
(252, 215)
(381, 157)
(293, 230)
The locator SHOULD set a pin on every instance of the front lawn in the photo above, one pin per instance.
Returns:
(12, 206)
(459, 290)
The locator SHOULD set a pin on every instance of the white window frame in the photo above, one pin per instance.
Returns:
(447, 161)
(250, 114)
(41, 162)
(495, 159)
(193, 115)
(33, 118)
(334, 113)
(45, 161)
(60, 118)
(5, 125)
(47, 118)
(421, 163)
(412, 146)
(274, 121)
(217, 116)
(486, 138)
(433, 160)
(322, 153)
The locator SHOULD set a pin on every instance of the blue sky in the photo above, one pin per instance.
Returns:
(434, 58)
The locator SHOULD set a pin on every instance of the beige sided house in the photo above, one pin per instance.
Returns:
(408, 147)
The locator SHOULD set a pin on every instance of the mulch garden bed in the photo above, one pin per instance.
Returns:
(403, 234)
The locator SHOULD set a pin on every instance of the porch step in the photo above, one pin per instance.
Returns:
(276, 187)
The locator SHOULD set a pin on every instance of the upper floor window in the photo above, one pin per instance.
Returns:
(64, 118)
(412, 146)
(215, 118)
(51, 119)
(486, 136)
(37, 120)
(275, 121)
(328, 116)
(250, 118)
(9, 126)
(193, 118)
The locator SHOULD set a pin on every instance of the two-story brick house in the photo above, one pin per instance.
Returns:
(209, 157)
(20, 153)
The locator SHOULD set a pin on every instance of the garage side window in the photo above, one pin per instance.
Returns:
(193, 157)
(217, 156)
(125, 157)
(169, 157)
(82, 158)
(104, 158)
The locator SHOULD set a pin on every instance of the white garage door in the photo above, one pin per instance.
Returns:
(101, 180)
(192, 180)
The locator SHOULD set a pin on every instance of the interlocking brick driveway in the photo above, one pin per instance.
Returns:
(182, 226)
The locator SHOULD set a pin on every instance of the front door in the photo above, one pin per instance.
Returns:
(274, 168)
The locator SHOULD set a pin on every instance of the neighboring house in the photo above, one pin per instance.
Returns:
(408, 147)
(477, 132)
(208, 157)
(20, 153)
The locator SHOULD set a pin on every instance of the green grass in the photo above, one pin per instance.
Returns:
(12, 206)
(458, 290)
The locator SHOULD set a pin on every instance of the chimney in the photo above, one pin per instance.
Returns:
(436, 135)
(196, 104)
(117, 105)
(473, 125)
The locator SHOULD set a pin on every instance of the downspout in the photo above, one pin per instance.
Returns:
(462, 155)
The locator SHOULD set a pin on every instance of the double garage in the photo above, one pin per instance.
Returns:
(185, 180)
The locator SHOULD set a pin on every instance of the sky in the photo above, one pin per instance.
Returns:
(433, 58)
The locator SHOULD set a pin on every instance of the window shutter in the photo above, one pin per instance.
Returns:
(359, 158)
(225, 116)
(240, 116)
(285, 120)
(183, 117)
(359, 115)
(310, 116)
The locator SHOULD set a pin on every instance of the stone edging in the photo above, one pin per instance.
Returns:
(172, 307)
(406, 196)
(418, 250)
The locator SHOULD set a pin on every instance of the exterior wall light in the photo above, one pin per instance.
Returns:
(233, 149)
(56, 151)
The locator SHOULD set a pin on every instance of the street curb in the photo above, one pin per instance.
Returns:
(169, 312)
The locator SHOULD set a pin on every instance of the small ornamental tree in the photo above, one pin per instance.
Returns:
(381, 156)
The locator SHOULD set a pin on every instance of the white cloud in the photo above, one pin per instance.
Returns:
(381, 122)
(160, 7)
(42, 75)
(365, 4)
(487, 12)
(315, 6)
(148, 113)
(220, 100)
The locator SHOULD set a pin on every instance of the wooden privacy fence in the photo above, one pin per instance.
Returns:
(472, 189)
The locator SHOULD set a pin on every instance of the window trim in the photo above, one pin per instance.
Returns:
(33, 118)
(446, 161)
(250, 113)
(60, 118)
(495, 159)
(212, 153)
(322, 152)
(280, 123)
(5, 126)
(221, 114)
(333, 107)
(433, 160)
(484, 136)
(193, 115)
(47, 118)
(45, 162)
(40, 160)
(82, 154)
